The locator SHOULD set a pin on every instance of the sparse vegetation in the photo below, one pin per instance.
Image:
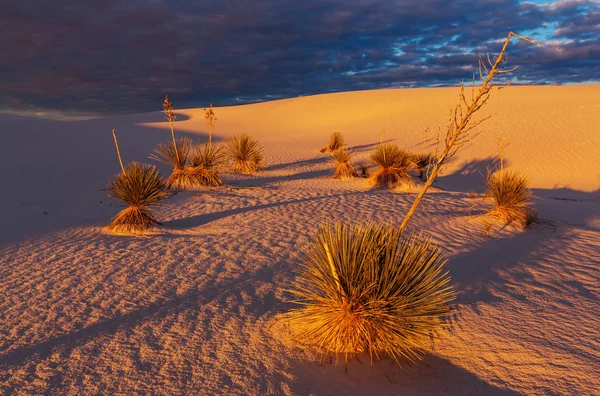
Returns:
(140, 186)
(245, 153)
(344, 169)
(336, 141)
(206, 160)
(511, 195)
(422, 162)
(210, 117)
(370, 289)
(177, 155)
(393, 164)
(364, 169)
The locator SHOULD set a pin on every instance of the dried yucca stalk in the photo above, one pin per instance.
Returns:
(394, 166)
(344, 169)
(245, 153)
(140, 186)
(177, 156)
(511, 195)
(336, 141)
(369, 289)
(206, 160)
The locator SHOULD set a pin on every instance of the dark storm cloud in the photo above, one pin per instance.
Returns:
(122, 56)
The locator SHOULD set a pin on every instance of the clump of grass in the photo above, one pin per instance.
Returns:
(140, 186)
(245, 153)
(205, 162)
(364, 169)
(370, 289)
(393, 164)
(336, 141)
(511, 195)
(344, 169)
(422, 162)
(177, 156)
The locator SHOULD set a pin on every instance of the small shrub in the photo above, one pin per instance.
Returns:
(336, 141)
(422, 162)
(394, 166)
(344, 169)
(178, 159)
(370, 289)
(245, 153)
(206, 160)
(364, 169)
(511, 195)
(140, 186)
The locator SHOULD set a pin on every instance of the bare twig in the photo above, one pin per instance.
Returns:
(118, 151)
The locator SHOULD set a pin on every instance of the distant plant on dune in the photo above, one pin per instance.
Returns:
(336, 141)
(140, 186)
(206, 160)
(210, 117)
(370, 289)
(511, 195)
(393, 165)
(422, 162)
(177, 156)
(364, 169)
(245, 153)
(344, 169)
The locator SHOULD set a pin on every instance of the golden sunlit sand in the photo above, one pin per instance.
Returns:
(190, 309)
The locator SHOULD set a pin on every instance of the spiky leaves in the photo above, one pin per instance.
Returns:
(177, 156)
(140, 187)
(511, 194)
(393, 164)
(245, 153)
(336, 141)
(206, 160)
(344, 169)
(369, 289)
(422, 161)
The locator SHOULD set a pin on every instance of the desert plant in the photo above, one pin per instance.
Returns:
(422, 161)
(205, 162)
(511, 195)
(336, 141)
(177, 156)
(393, 164)
(364, 169)
(209, 116)
(245, 154)
(461, 125)
(140, 186)
(370, 289)
(344, 169)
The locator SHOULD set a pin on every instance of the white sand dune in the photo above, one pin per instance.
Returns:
(190, 311)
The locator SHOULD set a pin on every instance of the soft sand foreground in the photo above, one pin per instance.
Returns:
(190, 311)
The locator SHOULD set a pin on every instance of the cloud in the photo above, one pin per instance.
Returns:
(113, 56)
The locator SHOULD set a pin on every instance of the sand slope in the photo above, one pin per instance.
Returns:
(191, 311)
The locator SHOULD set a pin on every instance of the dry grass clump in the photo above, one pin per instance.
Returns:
(336, 142)
(177, 155)
(245, 153)
(369, 289)
(364, 169)
(344, 169)
(140, 186)
(511, 194)
(422, 162)
(394, 166)
(206, 160)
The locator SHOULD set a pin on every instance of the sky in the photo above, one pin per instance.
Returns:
(113, 57)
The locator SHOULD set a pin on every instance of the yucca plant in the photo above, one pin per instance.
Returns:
(336, 141)
(393, 164)
(344, 169)
(245, 153)
(511, 195)
(206, 160)
(140, 186)
(178, 156)
(364, 169)
(422, 161)
(370, 289)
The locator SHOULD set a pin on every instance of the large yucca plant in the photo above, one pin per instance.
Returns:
(336, 141)
(245, 153)
(344, 169)
(369, 289)
(511, 195)
(393, 164)
(140, 186)
(206, 160)
(177, 156)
